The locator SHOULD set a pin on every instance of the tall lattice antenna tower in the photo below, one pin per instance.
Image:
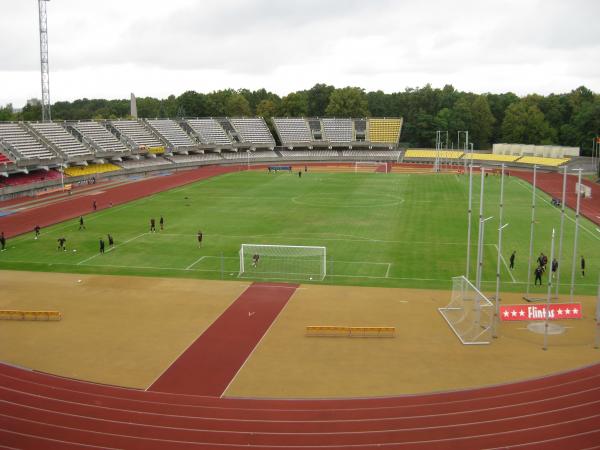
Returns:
(44, 66)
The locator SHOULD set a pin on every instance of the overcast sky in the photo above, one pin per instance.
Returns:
(110, 48)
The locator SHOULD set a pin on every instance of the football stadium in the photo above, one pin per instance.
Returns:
(294, 281)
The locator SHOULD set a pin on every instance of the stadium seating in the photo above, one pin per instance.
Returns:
(309, 155)
(209, 132)
(24, 143)
(249, 155)
(99, 136)
(384, 130)
(293, 130)
(371, 155)
(171, 132)
(432, 154)
(37, 176)
(490, 157)
(554, 162)
(202, 157)
(144, 162)
(136, 133)
(253, 130)
(338, 130)
(61, 139)
(77, 171)
(4, 160)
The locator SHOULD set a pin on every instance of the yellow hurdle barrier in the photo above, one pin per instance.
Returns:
(12, 314)
(342, 331)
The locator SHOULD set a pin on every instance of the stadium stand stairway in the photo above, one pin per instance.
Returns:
(171, 133)
(546, 413)
(136, 135)
(103, 141)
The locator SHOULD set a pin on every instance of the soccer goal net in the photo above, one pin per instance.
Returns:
(370, 166)
(470, 314)
(292, 262)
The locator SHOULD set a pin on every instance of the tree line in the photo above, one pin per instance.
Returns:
(571, 119)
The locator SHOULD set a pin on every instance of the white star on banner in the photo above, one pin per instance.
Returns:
(575, 311)
(522, 313)
(560, 311)
(506, 314)
(514, 313)
(567, 311)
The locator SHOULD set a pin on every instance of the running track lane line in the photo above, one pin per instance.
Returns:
(212, 361)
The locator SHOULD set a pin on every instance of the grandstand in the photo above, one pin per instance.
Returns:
(200, 158)
(61, 140)
(338, 131)
(293, 132)
(553, 162)
(371, 155)
(431, 154)
(384, 130)
(91, 169)
(17, 140)
(5, 160)
(490, 157)
(136, 135)
(172, 133)
(209, 132)
(247, 155)
(544, 151)
(254, 131)
(309, 155)
(102, 140)
(143, 163)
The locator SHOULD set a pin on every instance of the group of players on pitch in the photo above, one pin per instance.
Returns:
(542, 263)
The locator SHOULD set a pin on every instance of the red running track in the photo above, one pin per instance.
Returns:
(553, 413)
(212, 361)
(71, 207)
(551, 183)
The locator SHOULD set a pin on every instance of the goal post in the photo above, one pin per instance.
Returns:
(290, 262)
(469, 314)
(370, 166)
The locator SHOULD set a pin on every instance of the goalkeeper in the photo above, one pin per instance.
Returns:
(255, 259)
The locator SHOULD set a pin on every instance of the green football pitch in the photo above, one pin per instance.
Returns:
(390, 230)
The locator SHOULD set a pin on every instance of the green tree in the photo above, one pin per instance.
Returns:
(6, 113)
(237, 105)
(482, 122)
(266, 108)
(318, 99)
(525, 124)
(294, 105)
(348, 102)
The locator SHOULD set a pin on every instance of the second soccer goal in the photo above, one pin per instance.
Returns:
(287, 262)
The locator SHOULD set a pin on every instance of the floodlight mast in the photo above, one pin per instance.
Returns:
(44, 65)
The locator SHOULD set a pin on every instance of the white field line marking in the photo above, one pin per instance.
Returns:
(527, 186)
(387, 272)
(506, 265)
(257, 344)
(118, 245)
(195, 262)
(317, 236)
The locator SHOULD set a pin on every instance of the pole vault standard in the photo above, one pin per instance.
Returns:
(500, 228)
(531, 233)
(562, 226)
(576, 234)
(549, 297)
(469, 212)
(480, 232)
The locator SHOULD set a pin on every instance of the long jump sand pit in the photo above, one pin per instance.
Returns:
(116, 330)
(128, 330)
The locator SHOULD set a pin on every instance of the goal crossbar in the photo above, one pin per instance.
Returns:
(276, 261)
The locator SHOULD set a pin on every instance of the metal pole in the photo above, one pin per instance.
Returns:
(576, 232)
(549, 297)
(597, 343)
(469, 212)
(500, 227)
(562, 226)
(480, 236)
(532, 228)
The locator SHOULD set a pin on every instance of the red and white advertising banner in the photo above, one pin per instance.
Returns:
(538, 312)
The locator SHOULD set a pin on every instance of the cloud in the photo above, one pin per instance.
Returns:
(158, 48)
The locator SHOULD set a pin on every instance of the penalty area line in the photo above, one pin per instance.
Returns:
(195, 262)
(110, 249)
